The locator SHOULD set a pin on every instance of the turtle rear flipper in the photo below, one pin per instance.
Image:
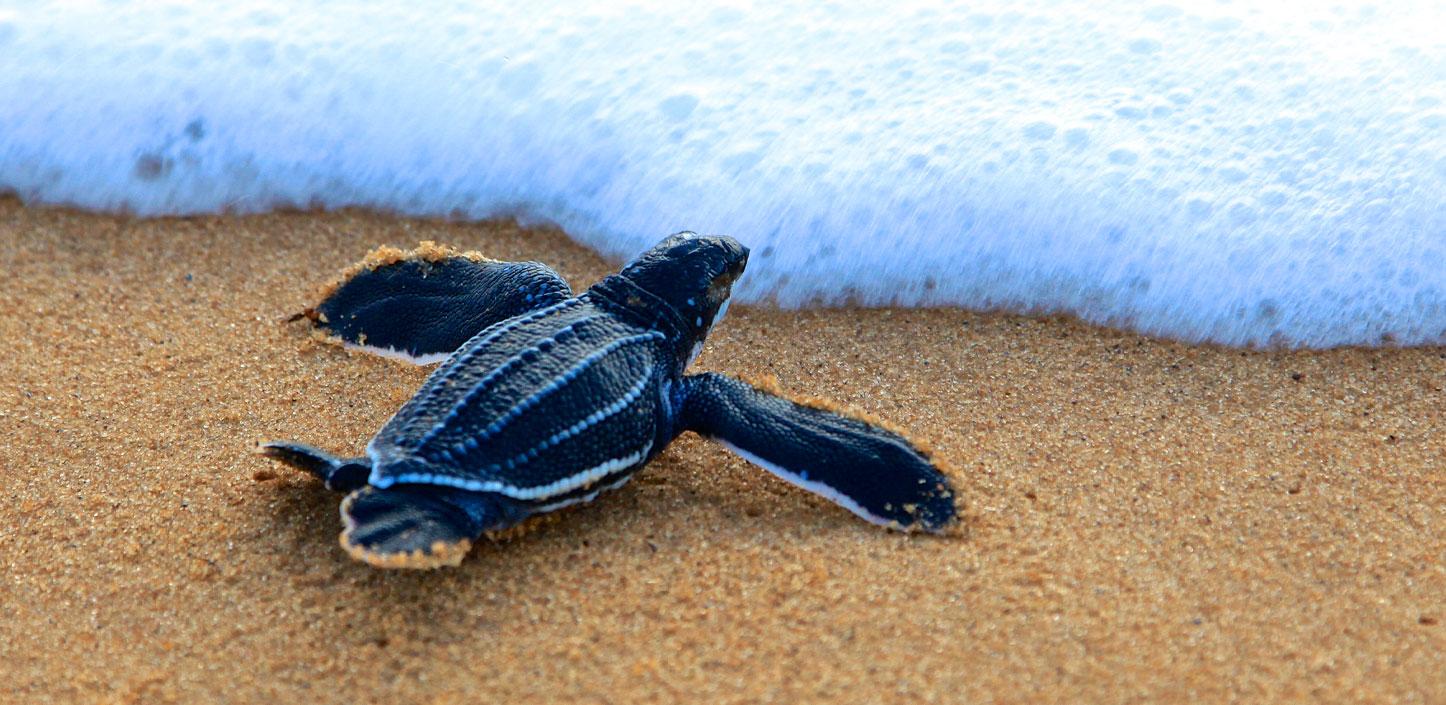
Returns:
(338, 474)
(871, 471)
(420, 526)
(419, 306)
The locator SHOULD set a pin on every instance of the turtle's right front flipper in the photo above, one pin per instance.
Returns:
(869, 470)
(421, 305)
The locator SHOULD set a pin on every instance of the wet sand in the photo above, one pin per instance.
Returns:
(1146, 521)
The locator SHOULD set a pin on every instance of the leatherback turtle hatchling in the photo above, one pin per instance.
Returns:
(545, 399)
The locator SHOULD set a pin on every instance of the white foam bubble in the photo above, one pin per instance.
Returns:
(1203, 171)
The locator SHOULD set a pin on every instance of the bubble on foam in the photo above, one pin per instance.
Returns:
(1274, 197)
(1123, 156)
(8, 30)
(1145, 45)
(1242, 211)
(1077, 137)
(678, 107)
(1039, 130)
(1203, 171)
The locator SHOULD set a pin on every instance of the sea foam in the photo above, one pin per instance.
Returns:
(1204, 171)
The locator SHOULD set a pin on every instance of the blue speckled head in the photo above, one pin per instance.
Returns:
(693, 273)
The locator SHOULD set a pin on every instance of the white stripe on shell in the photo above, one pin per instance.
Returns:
(497, 372)
(497, 331)
(585, 498)
(798, 480)
(503, 328)
(566, 484)
(572, 373)
(591, 420)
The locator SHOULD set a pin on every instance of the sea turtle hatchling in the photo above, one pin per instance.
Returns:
(545, 399)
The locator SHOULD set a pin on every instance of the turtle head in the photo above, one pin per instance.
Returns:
(694, 274)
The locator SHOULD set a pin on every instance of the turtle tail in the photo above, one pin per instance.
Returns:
(340, 475)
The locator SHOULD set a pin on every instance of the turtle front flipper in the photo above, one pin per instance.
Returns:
(869, 470)
(420, 526)
(339, 474)
(420, 305)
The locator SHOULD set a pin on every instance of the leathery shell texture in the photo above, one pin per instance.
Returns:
(533, 407)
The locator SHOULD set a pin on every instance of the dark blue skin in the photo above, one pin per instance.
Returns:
(549, 399)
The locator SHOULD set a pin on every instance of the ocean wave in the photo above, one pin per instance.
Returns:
(1235, 175)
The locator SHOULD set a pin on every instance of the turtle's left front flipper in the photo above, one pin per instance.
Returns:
(422, 304)
(869, 470)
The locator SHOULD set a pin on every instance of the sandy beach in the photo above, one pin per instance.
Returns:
(1146, 521)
